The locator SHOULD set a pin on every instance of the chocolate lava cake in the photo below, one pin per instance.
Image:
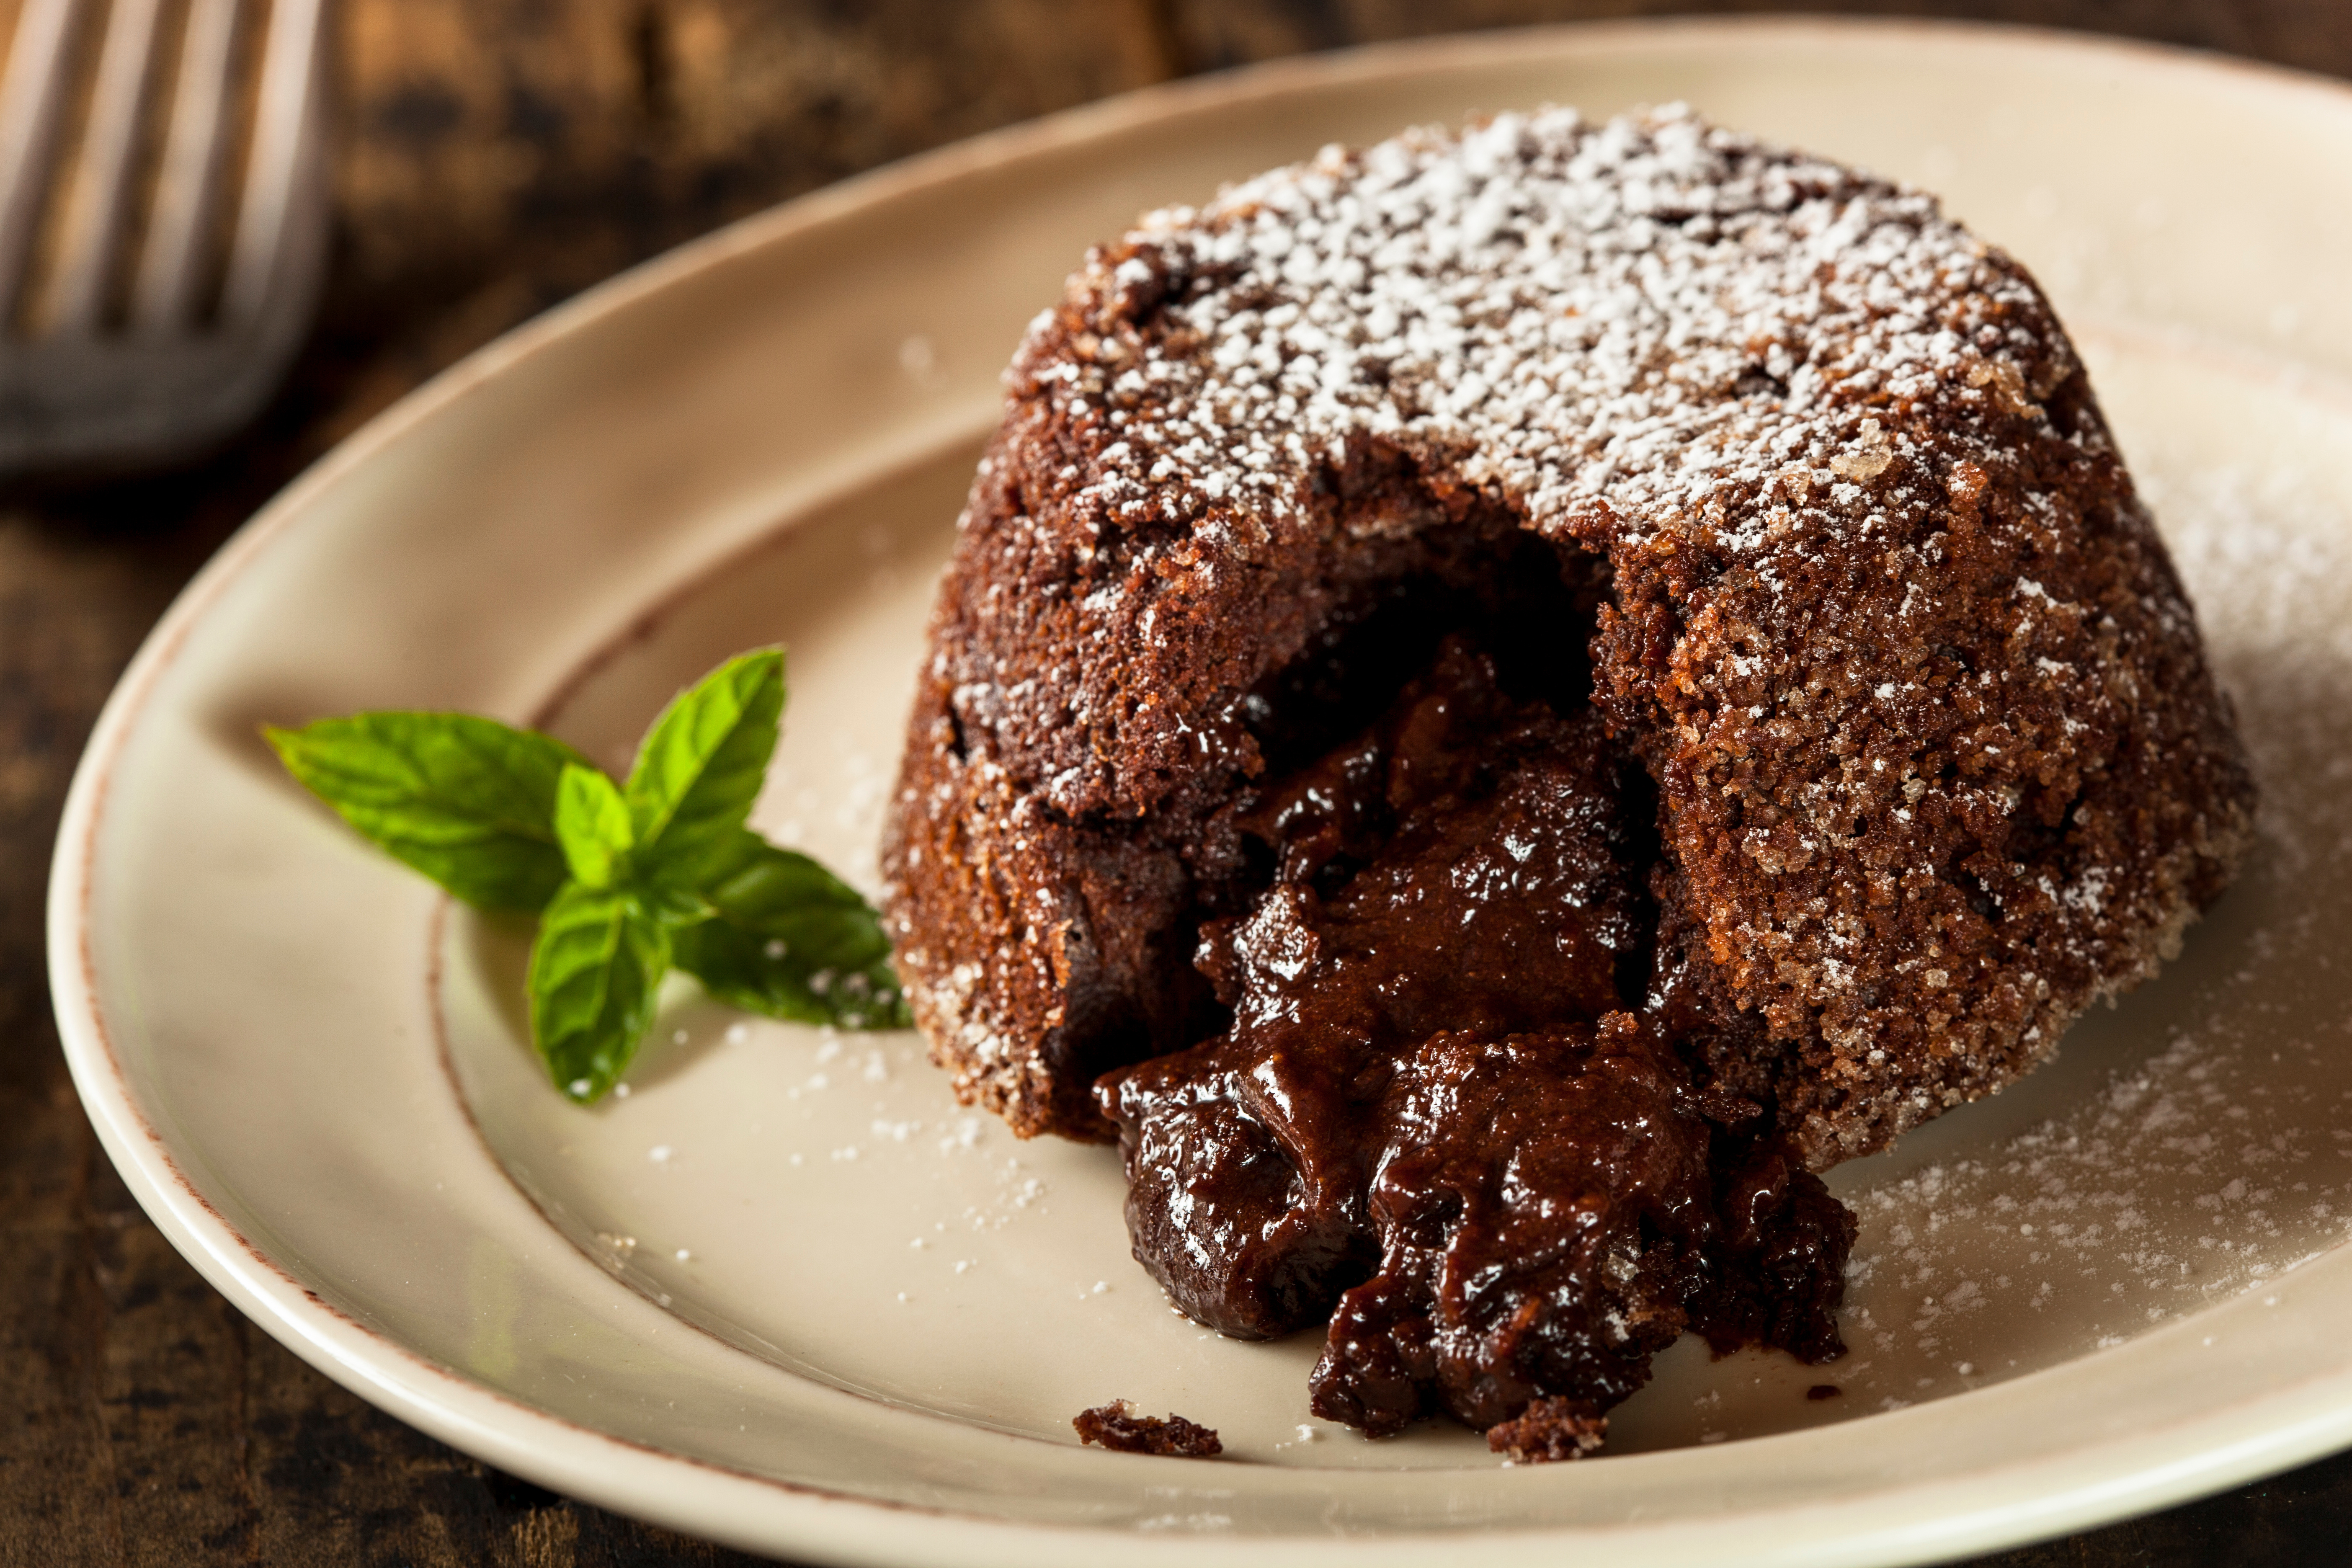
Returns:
(1502, 700)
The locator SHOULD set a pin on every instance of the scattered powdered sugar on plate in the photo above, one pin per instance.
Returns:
(841, 803)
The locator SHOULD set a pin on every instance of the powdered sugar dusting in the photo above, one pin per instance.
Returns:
(1629, 314)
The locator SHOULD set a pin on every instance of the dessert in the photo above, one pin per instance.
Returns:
(1504, 699)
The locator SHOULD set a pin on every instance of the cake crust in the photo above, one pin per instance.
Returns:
(1937, 757)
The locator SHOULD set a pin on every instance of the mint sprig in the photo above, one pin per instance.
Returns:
(628, 880)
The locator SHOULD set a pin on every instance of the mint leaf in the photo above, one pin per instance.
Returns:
(778, 975)
(470, 802)
(753, 878)
(627, 880)
(789, 938)
(591, 826)
(701, 766)
(594, 971)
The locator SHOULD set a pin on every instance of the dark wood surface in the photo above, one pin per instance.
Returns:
(493, 157)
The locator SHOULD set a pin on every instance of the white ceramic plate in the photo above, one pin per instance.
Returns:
(787, 1295)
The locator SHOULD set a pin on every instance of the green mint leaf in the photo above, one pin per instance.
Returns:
(594, 971)
(762, 974)
(591, 826)
(789, 938)
(754, 879)
(470, 802)
(671, 903)
(701, 766)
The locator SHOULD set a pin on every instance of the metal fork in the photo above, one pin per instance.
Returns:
(187, 364)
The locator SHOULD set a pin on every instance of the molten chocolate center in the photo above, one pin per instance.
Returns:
(1460, 1110)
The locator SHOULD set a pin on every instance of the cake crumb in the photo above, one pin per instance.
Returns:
(1117, 1427)
(1549, 1430)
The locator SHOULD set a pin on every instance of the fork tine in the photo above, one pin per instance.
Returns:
(281, 141)
(31, 92)
(162, 297)
(102, 173)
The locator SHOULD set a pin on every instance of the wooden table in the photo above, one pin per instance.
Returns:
(495, 156)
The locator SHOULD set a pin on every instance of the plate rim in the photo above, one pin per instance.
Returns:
(707, 1497)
